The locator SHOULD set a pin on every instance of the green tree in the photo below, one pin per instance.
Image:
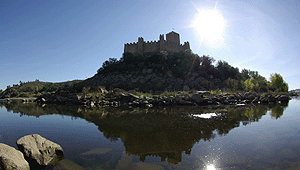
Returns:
(1, 92)
(209, 85)
(249, 85)
(225, 71)
(262, 83)
(36, 89)
(254, 74)
(278, 84)
(85, 90)
(245, 74)
(28, 89)
(206, 63)
(254, 81)
(231, 83)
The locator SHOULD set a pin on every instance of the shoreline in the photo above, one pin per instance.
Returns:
(23, 99)
(119, 97)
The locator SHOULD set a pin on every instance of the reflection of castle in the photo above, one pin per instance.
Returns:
(158, 143)
(171, 44)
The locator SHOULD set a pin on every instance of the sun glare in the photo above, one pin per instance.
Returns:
(210, 167)
(210, 26)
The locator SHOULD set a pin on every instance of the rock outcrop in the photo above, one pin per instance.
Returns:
(59, 97)
(10, 158)
(145, 80)
(39, 151)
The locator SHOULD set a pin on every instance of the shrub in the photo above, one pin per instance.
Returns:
(22, 94)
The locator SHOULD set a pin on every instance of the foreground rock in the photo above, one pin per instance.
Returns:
(10, 158)
(40, 152)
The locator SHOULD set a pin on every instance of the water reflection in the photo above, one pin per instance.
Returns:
(159, 132)
(277, 111)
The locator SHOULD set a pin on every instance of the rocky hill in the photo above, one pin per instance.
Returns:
(156, 73)
(177, 72)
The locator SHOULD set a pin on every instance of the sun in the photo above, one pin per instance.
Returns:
(210, 167)
(210, 26)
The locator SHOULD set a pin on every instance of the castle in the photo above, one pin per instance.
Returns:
(171, 44)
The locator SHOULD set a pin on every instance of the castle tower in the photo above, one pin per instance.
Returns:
(140, 45)
(171, 45)
(162, 42)
(173, 38)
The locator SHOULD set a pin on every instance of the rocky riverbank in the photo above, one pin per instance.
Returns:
(118, 97)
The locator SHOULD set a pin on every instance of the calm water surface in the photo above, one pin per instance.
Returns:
(251, 137)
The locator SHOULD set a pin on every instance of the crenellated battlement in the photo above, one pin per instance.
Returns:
(171, 44)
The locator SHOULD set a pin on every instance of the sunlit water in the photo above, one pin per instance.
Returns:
(251, 137)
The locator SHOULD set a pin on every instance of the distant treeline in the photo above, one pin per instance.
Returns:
(35, 88)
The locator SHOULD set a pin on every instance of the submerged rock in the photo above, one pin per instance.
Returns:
(97, 151)
(67, 165)
(10, 158)
(145, 166)
(39, 151)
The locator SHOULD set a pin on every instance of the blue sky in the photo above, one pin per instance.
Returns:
(62, 40)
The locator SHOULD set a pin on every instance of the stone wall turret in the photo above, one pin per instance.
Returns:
(140, 45)
(162, 42)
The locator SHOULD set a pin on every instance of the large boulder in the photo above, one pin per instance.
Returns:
(10, 158)
(40, 99)
(63, 93)
(251, 97)
(283, 98)
(272, 99)
(74, 98)
(39, 151)
(247, 94)
(197, 98)
(126, 98)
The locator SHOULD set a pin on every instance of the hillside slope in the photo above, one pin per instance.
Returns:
(171, 72)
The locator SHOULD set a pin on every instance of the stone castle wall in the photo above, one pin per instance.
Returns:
(171, 44)
(151, 47)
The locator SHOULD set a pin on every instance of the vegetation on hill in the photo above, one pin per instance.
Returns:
(163, 72)
(183, 65)
(35, 88)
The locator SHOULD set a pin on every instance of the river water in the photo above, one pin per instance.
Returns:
(237, 137)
